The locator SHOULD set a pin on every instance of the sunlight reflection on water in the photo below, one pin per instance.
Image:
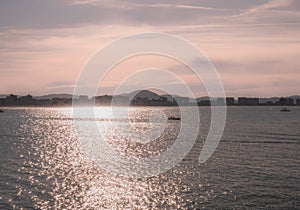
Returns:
(67, 179)
(44, 166)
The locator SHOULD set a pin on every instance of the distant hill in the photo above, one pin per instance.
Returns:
(205, 98)
(152, 95)
(3, 95)
(265, 100)
(142, 94)
(294, 97)
(274, 99)
(169, 97)
(51, 96)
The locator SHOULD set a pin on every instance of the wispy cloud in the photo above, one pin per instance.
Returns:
(270, 5)
(246, 40)
(273, 4)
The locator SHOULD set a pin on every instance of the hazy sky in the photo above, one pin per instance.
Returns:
(254, 44)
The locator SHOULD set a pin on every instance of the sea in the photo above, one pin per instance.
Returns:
(255, 166)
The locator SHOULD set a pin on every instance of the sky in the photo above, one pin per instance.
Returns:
(254, 45)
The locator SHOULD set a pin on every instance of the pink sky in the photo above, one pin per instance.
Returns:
(254, 46)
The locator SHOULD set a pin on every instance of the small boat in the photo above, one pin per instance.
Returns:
(285, 110)
(174, 118)
(1, 110)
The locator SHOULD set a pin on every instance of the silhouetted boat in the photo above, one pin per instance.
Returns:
(1, 110)
(174, 118)
(285, 110)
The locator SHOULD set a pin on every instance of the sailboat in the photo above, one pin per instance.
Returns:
(285, 110)
(174, 118)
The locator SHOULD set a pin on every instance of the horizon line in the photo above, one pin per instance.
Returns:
(170, 94)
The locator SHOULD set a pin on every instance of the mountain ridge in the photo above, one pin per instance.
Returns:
(152, 95)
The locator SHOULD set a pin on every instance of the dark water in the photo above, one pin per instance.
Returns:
(256, 165)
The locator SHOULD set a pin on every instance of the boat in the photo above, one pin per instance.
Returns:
(1, 110)
(285, 110)
(174, 118)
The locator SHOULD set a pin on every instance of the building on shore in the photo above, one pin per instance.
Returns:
(181, 100)
(243, 101)
(103, 100)
(204, 103)
(219, 102)
(82, 100)
(286, 101)
(230, 101)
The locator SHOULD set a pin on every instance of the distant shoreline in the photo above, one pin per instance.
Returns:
(141, 98)
(70, 106)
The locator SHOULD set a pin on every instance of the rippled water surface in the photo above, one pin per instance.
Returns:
(43, 165)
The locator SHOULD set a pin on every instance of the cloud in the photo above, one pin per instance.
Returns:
(77, 13)
(42, 42)
(273, 11)
(272, 4)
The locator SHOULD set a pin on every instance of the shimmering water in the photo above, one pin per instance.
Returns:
(256, 164)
